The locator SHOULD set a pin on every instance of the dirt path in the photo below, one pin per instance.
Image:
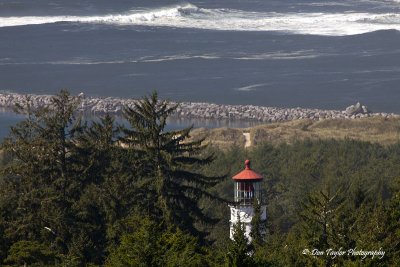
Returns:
(248, 140)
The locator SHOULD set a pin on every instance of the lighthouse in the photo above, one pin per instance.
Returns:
(247, 190)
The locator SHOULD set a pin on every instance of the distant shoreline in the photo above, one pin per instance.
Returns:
(114, 105)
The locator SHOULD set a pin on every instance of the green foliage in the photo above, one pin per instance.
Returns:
(53, 182)
(146, 244)
(180, 249)
(392, 238)
(258, 227)
(31, 253)
(300, 179)
(43, 171)
(72, 184)
(138, 248)
(318, 215)
(240, 249)
(76, 193)
(170, 186)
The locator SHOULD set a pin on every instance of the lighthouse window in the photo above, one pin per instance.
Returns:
(246, 191)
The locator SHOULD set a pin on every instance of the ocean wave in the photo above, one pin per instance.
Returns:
(191, 16)
(131, 17)
(251, 87)
(389, 19)
(302, 54)
(278, 55)
(88, 61)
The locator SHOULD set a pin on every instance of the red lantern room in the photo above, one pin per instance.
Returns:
(247, 185)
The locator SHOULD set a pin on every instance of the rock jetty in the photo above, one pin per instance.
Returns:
(113, 105)
(357, 109)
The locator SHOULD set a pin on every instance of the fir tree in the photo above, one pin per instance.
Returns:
(318, 221)
(258, 227)
(146, 243)
(170, 185)
(240, 249)
(31, 253)
(49, 183)
(43, 169)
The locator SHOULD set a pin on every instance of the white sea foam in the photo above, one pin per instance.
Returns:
(302, 54)
(326, 4)
(251, 87)
(190, 16)
(88, 61)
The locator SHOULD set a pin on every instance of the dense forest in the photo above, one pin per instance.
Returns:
(94, 192)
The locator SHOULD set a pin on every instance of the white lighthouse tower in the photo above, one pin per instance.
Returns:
(247, 190)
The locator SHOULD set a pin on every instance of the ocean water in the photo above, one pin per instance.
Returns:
(9, 119)
(293, 53)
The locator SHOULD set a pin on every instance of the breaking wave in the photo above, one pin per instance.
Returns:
(191, 16)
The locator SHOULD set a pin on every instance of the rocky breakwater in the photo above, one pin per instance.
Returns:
(273, 114)
(96, 105)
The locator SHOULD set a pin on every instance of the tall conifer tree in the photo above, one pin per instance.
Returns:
(240, 251)
(171, 184)
(48, 180)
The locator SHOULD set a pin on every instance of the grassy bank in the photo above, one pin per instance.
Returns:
(375, 130)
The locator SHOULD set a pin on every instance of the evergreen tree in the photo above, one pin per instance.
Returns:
(102, 158)
(49, 184)
(43, 170)
(318, 219)
(31, 253)
(258, 227)
(240, 249)
(170, 185)
(146, 243)
(98, 148)
(392, 239)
